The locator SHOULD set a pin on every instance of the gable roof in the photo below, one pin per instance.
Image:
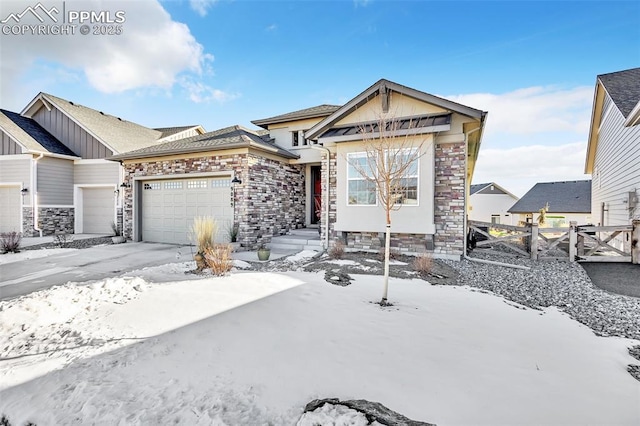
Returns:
(623, 87)
(475, 188)
(313, 112)
(562, 197)
(226, 138)
(115, 133)
(29, 134)
(170, 131)
(383, 85)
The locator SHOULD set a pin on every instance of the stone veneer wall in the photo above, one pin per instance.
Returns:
(52, 220)
(448, 216)
(449, 198)
(270, 201)
(332, 186)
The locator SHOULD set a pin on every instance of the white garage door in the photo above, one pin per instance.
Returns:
(10, 206)
(98, 210)
(169, 206)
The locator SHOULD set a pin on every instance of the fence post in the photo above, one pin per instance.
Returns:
(635, 241)
(573, 240)
(534, 241)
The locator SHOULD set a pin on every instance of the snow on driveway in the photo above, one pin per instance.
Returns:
(254, 348)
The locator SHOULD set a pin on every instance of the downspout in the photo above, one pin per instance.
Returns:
(464, 217)
(325, 203)
(34, 201)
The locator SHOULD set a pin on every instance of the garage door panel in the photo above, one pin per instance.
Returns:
(175, 203)
(98, 210)
(10, 208)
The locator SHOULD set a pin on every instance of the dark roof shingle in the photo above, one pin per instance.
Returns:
(45, 139)
(562, 197)
(624, 88)
(323, 110)
(226, 138)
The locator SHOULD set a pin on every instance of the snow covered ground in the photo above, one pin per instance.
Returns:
(157, 346)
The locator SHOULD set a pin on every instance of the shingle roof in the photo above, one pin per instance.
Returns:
(168, 131)
(226, 138)
(562, 197)
(31, 135)
(323, 110)
(624, 88)
(117, 134)
(477, 187)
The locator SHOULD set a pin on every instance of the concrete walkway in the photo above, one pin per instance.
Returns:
(95, 263)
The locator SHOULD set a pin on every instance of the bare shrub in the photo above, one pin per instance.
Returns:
(423, 264)
(218, 258)
(203, 230)
(10, 242)
(62, 240)
(337, 251)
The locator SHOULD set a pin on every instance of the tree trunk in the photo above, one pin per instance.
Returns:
(387, 247)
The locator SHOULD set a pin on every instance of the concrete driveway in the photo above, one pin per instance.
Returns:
(619, 278)
(94, 263)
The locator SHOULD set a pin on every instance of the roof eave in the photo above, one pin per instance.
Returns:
(363, 97)
(598, 96)
(265, 122)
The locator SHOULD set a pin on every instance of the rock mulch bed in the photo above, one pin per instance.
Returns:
(72, 243)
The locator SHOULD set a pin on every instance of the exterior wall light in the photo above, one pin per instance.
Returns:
(236, 180)
(24, 191)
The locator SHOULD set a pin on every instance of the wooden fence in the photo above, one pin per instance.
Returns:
(575, 243)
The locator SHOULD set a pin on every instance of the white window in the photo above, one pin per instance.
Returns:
(173, 185)
(495, 218)
(294, 138)
(220, 182)
(155, 185)
(408, 193)
(360, 191)
(195, 184)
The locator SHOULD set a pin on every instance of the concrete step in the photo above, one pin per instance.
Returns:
(311, 233)
(276, 246)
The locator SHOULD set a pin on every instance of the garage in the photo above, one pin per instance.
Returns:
(10, 208)
(98, 210)
(169, 206)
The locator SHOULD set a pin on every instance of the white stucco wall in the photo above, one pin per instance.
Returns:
(415, 219)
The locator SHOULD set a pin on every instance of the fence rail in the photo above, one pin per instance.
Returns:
(575, 243)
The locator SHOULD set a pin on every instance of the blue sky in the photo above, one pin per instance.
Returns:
(531, 65)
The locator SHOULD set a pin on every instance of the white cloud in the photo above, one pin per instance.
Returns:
(201, 6)
(202, 93)
(272, 27)
(518, 169)
(153, 51)
(534, 110)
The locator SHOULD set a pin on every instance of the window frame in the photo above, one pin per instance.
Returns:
(359, 177)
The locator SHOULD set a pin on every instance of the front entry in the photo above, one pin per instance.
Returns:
(316, 194)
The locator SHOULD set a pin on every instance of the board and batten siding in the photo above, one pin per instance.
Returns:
(55, 182)
(8, 146)
(96, 174)
(616, 169)
(69, 133)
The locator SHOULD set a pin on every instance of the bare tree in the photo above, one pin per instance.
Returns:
(389, 165)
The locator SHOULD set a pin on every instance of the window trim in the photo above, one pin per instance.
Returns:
(360, 154)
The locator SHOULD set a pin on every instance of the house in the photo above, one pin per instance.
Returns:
(490, 203)
(295, 172)
(53, 173)
(613, 152)
(566, 202)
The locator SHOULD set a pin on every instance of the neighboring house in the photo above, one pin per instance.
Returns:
(613, 153)
(566, 201)
(272, 181)
(53, 173)
(490, 203)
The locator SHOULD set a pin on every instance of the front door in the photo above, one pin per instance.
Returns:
(316, 193)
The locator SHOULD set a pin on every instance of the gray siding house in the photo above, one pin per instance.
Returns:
(613, 153)
(53, 173)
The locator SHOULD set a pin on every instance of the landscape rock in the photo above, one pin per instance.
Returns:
(374, 411)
